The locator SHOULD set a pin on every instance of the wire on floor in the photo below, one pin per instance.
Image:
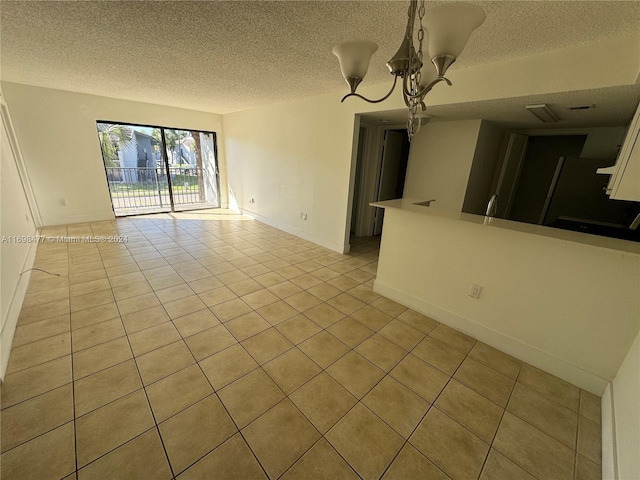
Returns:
(40, 270)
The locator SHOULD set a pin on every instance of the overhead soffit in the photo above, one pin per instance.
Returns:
(610, 107)
(224, 56)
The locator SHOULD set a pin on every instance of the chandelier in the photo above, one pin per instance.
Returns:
(449, 27)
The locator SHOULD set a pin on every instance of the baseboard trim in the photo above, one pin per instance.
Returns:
(609, 449)
(11, 320)
(522, 351)
(336, 247)
(72, 219)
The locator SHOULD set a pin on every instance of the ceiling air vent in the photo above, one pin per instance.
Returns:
(580, 107)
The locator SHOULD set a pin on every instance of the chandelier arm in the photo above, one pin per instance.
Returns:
(427, 88)
(395, 80)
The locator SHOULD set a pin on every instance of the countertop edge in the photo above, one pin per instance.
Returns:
(409, 205)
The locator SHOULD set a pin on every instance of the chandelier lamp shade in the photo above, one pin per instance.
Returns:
(448, 28)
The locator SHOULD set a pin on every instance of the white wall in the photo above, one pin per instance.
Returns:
(57, 132)
(626, 399)
(440, 161)
(290, 158)
(15, 221)
(569, 308)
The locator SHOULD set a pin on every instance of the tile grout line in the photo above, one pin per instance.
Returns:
(113, 401)
(215, 392)
(431, 405)
(504, 410)
(144, 389)
(73, 382)
(531, 425)
(322, 437)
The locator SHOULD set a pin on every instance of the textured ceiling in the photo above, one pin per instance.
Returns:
(226, 56)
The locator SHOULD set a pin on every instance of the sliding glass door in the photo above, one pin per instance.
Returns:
(192, 167)
(155, 169)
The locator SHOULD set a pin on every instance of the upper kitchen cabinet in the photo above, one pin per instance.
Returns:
(625, 176)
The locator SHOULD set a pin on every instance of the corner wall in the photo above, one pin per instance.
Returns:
(440, 161)
(485, 161)
(57, 133)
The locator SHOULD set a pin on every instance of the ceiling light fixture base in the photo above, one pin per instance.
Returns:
(353, 83)
(442, 63)
(354, 94)
(406, 54)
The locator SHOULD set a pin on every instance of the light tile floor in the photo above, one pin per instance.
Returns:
(213, 346)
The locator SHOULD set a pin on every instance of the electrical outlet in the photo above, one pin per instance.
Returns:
(475, 290)
(253, 200)
(63, 202)
(303, 216)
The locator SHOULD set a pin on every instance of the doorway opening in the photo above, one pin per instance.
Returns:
(152, 169)
(381, 168)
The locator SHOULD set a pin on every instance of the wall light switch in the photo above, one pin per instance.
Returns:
(63, 202)
(475, 290)
(303, 215)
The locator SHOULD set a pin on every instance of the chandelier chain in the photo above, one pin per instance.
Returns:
(415, 76)
(421, 12)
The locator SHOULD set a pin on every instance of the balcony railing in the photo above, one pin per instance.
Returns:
(147, 189)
